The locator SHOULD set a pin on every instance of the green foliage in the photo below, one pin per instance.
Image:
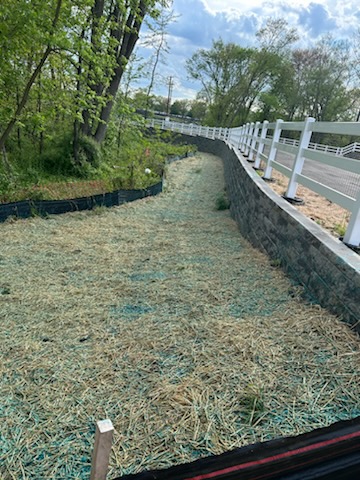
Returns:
(54, 174)
(340, 229)
(88, 157)
(312, 82)
(98, 210)
(198, 109)
(180, 107)
(62, 63)
(5, 290)
(252, 406)
(126, 162)
(233, 77)
(275, 262)
(275, 80)
(222, 202)
(56, 159)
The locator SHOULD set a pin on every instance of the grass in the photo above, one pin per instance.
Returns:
(119, 169)
(222, 202)
(340, 229)
(161, 317)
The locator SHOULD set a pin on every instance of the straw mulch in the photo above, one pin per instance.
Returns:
(161, 317)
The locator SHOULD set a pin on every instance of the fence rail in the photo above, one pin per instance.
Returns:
(264, 143)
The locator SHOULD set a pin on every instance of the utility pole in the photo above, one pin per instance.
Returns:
(171, 86)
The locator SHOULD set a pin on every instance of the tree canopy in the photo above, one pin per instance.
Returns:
(62, 64)
(276, 80)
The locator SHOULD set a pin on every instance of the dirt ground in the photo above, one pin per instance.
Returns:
(160, 316)
(325, 213)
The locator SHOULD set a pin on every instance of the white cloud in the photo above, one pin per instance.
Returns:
(242, 6)
(202, 21)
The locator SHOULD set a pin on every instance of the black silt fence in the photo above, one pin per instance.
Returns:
(331, 453)
(29, 208)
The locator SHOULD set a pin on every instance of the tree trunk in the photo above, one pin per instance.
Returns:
(29, 84)
(41, 136)
(97, 12)
(6, 162)
(130, 36)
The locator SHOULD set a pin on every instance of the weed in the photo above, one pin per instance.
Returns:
(11, 219)
(340, 229)
(34, 212)
(275, 262)
(98, 210)
(222, 202)
(5, 290)
(252, 406)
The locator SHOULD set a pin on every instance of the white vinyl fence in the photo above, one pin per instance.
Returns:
(321, 168)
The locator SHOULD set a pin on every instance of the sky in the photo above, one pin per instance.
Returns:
(201, 21)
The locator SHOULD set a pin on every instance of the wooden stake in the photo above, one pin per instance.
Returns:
(102, 449)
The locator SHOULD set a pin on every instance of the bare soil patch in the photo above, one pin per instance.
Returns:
(325, 213)
(160, 316)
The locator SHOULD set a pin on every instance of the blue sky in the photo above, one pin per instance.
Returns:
(201, 21)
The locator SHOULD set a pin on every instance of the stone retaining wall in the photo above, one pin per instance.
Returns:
(329, 271)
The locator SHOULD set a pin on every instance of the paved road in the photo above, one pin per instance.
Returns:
(344, 182)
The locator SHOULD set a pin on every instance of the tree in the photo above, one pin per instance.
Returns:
(276, 36)
(232, 78)
(114, 31)
(12, 42)
(180, 107)
(160, 103)
(156, 39)
(315, 82)
(63, 61)
(141, 100)
(198, 109)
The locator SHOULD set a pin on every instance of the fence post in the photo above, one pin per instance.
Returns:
(243, 138)
(249, 139)
(299, 158)
(352, 234)
(240, 139)
(227, 134)
(261, 144)
(272, 153)
(253, 141)
(102, 449)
